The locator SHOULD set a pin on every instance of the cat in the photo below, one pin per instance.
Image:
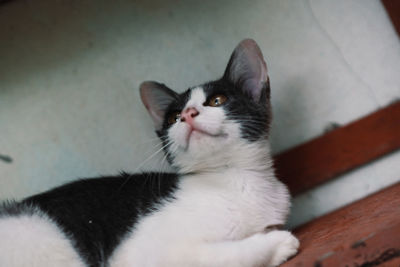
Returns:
(214, 211)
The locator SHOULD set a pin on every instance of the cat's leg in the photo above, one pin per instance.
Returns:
(34, 241)
(263, 249)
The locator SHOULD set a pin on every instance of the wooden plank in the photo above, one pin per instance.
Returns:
(340, 150)
(393, 9)
(364, 233)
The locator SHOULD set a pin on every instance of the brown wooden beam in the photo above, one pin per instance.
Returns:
(340, 150)
(365, 234)
(393, 9)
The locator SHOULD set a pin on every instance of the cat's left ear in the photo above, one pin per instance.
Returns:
(247, 70)
(156, 97)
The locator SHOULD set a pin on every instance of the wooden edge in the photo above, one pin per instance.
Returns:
(393, 9)
(340, 150)
(365, 233)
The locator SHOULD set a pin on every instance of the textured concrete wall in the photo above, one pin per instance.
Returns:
(69, 73)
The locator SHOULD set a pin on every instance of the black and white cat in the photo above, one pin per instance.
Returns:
(212, 212)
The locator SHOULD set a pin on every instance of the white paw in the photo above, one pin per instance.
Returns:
(286, 246)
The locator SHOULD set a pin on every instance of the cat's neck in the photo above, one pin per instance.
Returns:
(244, 156)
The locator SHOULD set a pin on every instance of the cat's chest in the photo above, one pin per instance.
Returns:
(232, 204)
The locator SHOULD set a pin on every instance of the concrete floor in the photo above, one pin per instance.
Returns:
(70, 70)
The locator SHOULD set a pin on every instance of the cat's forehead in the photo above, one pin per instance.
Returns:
(197, 96)
(200, 93)
(194, 95)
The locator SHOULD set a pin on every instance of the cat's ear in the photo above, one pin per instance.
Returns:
(156, 97)
(247, 70)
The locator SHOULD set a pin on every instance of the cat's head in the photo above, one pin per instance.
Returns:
(216, 123)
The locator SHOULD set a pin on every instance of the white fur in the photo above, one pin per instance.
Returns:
(35, 241)
(222, 208)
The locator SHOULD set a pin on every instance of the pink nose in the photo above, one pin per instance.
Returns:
(188, 114)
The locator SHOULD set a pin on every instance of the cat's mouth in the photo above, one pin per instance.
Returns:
(198, 133)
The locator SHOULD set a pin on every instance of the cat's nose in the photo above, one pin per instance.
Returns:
(188, 114)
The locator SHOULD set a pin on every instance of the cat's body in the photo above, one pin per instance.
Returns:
(212, 212)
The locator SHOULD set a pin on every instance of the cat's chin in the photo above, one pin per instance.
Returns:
(197, 136)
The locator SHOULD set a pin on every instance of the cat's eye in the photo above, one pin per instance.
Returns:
(217, 100)
(174, 117)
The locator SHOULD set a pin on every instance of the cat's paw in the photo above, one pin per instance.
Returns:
(286, 246)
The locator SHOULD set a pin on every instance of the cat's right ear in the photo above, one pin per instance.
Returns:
(156, 97)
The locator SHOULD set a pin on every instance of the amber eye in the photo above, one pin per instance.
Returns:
(174, 117)
(217, 100)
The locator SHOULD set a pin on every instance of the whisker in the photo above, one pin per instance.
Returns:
(144, 162)
(153, 155)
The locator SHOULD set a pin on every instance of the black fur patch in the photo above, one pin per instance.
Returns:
(254, 118)
(98, 213)
(176, 105)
